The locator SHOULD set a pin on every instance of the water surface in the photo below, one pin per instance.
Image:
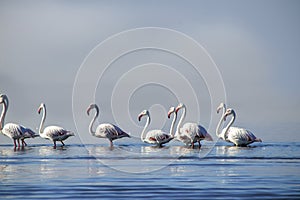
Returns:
(261, 171)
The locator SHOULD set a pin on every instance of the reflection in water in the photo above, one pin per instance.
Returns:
(227, 150)
(140, 158)
(231, 151)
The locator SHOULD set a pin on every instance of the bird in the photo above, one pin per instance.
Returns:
(105, 130)
(53, 133)
(12, 130)
(190, 132)
(236, 135)
(156, 137)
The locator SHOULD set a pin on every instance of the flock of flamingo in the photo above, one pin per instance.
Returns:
(189, 133)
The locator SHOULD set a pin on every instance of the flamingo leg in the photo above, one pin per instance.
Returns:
(18, 143)
(192, 144)
(199, 144)
(23, 142)
(15, 145)
(54, 147)
(111, 143)
(62, 143)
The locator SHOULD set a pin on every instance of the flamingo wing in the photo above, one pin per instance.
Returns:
(157, 137)
(120, 132)
(57, 133)
(240, 136)
(203, 134)
(28, 133)
(110, 131)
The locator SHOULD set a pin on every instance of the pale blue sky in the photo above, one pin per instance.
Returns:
(255, 44)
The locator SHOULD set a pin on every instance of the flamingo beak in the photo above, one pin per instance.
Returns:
(140, 116)
(39, 110)
(169, 114)
(88, 111)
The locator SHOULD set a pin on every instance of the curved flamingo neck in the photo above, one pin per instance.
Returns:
(173, 124)
(41, 129)
(92, 132)
(225, 130)
(145, 127)
(180, 121)
(3, 114)
(218, 131)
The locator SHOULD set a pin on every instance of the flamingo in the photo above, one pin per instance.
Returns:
(53, 133)
(190, 133)
(236, 135)
(157, 137)
(12, 130)
(109, 131)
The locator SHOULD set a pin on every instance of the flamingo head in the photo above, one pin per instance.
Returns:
(171, 110)
(42, 106)
(3, 97)
(221, 106)
(143, 113)
(228, 112)
(180, 105)
(92, 106)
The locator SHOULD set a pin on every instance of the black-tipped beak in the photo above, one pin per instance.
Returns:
(88, 110)
(169, 114)
(139, 117)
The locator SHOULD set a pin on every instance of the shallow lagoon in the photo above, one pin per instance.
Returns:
(262, 171)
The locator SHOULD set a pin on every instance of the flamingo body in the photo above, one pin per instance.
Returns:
(190, 132)
(13, 131)
(157, 137)
(240, 136)
(110, 131)
(53, 133)
(105, 130)
(56, 133)
(236, 135)
(16, 132)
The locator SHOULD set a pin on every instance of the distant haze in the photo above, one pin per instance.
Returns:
(255, 44)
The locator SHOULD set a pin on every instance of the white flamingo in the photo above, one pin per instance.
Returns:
(190, 133)
(109, 131)
(236, 135)
(53, 133)
(157, 137)
(12, 130)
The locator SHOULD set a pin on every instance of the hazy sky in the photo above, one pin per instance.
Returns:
(255, 44)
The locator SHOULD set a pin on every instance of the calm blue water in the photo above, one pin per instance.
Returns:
(262, 171)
